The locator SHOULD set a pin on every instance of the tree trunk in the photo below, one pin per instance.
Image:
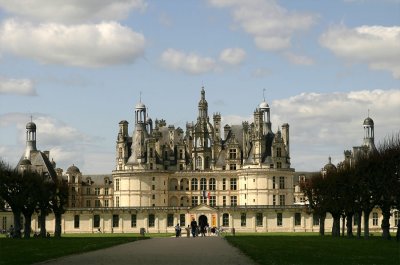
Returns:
(343, 224)
(385, 223)
(27, 226)
(359, 214)
(366, 223)
(16, 232)
(349, 224)
(336, 225)
(57, 228)
(322, 224)
(42, 223)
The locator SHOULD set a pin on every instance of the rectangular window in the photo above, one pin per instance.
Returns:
(195, 201)
(203, 199)
(154, 196)
(76, 221)
(259, 219)
(225, 219)
(278, 164)
(211, 184)
(224, 200)
(115, 220)
(278, 152)
(243, 219)
(282, 200)
(97, 191)
(232, 166)
(233, 200)
(212, 200)
(105, 191)
(233, 184)
(232, 153)
(151, 220)
(97, 203)
(133, 220)
(297, 219)
(88, 203)
(116, 201)
(153, 187)
(279, 219)
(170, 220)
(88, 191)
(117, 185)
(96, 221)
(106, 203)
(315, 220)
(182, 219)
(273, 199)
(223, 184)
(375, 219)
(281, 182)
(273, 182)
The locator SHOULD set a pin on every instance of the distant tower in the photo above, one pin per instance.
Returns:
(30, 139)
(139, 136)
(369, 133)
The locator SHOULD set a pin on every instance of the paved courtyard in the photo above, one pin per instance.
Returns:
(188, 251)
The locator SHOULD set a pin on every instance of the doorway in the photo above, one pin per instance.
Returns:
(203, 221)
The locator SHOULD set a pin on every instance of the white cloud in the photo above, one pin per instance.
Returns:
(191, 63)
(87, 45)
(233, 56)
(72, 11)
(377, 46)
(271, 25)
(22, 87)
(298, 59)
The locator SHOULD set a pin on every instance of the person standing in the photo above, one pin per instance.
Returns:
(177, 230)
(193, 225)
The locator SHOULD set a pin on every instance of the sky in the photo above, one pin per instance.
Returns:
(79, 67)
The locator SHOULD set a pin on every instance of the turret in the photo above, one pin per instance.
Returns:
(30, 139)
(369, 133)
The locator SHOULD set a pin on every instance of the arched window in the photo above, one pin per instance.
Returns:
(225, 219)
(211, 184)
(194, 184)
(203, 184)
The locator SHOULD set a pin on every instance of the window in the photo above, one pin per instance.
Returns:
(106, 203)
(117, 185)
(182, 219)
(223, 184)
(243, 219)
(154, 196)
(224, 200)
(120, 152)
(97, 203)
(297, 219)
(315, 220)
(96, 221)
(151, 153)
(181, 167)
(88, 203)
(279, 219)
(278, 152)
(170, 220)
(396, 218)
(151, 220)
(76, 221)
(203, 199)
(194, 184)
(105, 191)
(375, 219)
(281, 182)
(153, 187)
(180, 154)
(282, 200)
(199, 163)
(195, 201)
(211, 184)
(212, 200)
(115, 220)
(203, 184)
(233, 184)
(259, 219)
(87, 191)
(97, 191)
(133, 220)
(273, 199)
(233, 200)
(225, 219)
(278, 164)
(232, 166)
(273, 182)
(232, 153)
(116, 201)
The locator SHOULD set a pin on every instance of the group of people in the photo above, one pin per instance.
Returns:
(194, 229)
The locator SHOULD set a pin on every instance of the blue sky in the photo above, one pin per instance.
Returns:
(78, 68)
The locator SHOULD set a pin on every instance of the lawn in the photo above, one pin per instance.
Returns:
(28, 251)
(312, 249)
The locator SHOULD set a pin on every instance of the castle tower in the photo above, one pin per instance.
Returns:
(30, 139)
(369, 133)
(139, 136)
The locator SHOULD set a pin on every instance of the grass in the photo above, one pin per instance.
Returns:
(28, 251)
(294, 249)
